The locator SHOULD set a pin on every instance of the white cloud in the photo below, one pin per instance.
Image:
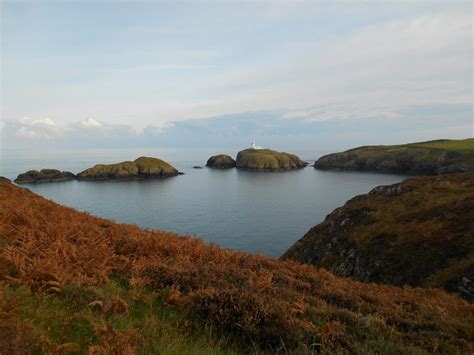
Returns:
(90, 123)
(43, 121)
(341, 112)
(423, 60)
(40, 128)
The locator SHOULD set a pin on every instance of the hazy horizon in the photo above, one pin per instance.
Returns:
(307, 75)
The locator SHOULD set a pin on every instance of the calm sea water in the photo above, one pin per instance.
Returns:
(257, 212)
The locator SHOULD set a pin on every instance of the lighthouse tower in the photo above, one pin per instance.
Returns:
(253, 146)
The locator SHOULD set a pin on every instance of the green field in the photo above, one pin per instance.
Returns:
(461, 145)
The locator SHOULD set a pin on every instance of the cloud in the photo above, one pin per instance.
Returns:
(342, 112)
(398, 63)
(40, 128)
(319, 127)
(90, 123)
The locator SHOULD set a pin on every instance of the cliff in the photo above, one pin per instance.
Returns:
(424, 158)
(141, 168)
(419, 232)
(268, 160)
(72, 282)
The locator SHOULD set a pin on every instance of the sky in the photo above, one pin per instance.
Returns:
(193, 74)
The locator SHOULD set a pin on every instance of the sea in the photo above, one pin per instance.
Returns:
(257, 212)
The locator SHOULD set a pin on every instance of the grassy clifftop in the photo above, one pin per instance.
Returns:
(427, 158)
(141, 168)
(419, 232)
(268, 160)
(73, 282)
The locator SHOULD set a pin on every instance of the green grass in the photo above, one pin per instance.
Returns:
(448, 144)
(147, 327)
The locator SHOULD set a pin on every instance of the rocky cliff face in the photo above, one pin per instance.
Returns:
(221, 161)
(419, 232)
(268, 160)
(426, 158)
(44, 175)
(141, 168)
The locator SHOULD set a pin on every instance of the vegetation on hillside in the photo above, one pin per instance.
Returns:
(268, 160)
(221, 161)
(426, 158)
(72, 282)
(141, 168)
(419, 232)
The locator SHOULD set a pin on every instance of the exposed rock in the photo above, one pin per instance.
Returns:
(268, 160)
(425, 158)
(221, 161)
(419, 232)
(141, 168)
(390, 190)
(44, 175)
(197, 167)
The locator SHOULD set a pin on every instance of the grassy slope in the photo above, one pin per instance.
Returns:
(72, 281)
(267, 159)
(429, 157)
(462, 145)
(423, 235)
(143, 166)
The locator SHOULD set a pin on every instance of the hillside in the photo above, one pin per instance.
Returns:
(419, 232)
(425, 158)
(141, 168)
(268, 160)
(72, 282)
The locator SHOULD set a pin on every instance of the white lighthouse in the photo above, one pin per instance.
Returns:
(254, 146)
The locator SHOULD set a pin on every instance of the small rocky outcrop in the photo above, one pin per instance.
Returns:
(221, 161)
(268, 160)
(424, 158)
(419, 232)
(44, 175)
(197, 167)
(141, 168)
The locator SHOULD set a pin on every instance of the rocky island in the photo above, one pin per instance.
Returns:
(268, 160)
(44, 175)
(221, 161)
(425, 158)
(419, 232)
(141, 168)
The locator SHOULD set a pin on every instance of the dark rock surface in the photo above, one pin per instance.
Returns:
(221, 161)
(44, 175)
